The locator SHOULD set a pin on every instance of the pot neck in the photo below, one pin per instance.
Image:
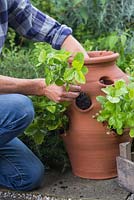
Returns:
(98, 57)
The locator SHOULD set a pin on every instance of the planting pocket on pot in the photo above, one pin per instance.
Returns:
(83, 102)
(105, 81)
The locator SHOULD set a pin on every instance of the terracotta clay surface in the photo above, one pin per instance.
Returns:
(92, 152)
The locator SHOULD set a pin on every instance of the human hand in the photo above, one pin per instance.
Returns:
(57, 93)
(72, 45)
(60, 94)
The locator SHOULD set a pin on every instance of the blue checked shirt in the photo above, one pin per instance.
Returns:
(31, 23)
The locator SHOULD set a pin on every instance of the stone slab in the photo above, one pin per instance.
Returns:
(66, 186)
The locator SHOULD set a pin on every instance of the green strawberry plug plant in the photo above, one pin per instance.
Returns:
(54, 67)
(118, 107)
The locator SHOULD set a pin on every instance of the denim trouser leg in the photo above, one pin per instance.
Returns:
(20, 169)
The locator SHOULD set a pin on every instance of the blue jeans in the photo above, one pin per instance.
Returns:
(20, 169)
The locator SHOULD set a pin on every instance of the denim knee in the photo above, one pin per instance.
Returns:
(32, 179)
(16, 113)
(20, 168)
(35, 177)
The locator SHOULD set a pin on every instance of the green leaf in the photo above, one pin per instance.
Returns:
(131, 93)
(131, 133)
(123, 39)
(42, 56)
(84, 13)
(63, 55)
(119, 131)
(84, 70)
(51, 108)
(31, 130)
(130, 119)
(118, 123)
(69, 74)
(111, 121)
(120, 87)
(54, 126)
(101, 99)
(39, 64)
(80, 78)
(132, 104)
(113, 39)
(108, 89)
(59, 82)
(77, 65)
(77, 2)
(102, 118)
(38, 138)
(113, 99)
(78, 61)
(48, 80)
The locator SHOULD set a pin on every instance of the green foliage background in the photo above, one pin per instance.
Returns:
(97, 24)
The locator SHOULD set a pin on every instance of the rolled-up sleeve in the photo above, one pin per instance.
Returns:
(35, 25)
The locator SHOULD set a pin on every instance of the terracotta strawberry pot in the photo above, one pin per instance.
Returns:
(92, 152)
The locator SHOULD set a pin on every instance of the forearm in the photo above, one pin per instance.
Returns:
(21, 86)
(72, 45)
(37, 87)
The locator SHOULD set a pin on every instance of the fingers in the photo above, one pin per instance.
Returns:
(69, 99)
(70, 95)
(74, 88)
(59, 93)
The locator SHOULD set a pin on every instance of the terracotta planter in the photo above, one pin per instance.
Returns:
(91, 151)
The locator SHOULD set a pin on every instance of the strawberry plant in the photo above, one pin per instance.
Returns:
(118, 107)
(54, 67)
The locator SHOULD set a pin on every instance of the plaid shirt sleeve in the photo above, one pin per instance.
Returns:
(35, 25)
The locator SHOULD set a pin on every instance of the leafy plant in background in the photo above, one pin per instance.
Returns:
(15, 61)
(130, 68)
(118, 107)
(95, 18)
(121, 42)
(55, 69)
(46, 6)
(89, 18)
(116, 42)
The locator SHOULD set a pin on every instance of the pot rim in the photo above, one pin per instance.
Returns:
(99, 57)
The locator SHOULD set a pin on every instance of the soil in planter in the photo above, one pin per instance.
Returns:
(83, 101)
(106, 80)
